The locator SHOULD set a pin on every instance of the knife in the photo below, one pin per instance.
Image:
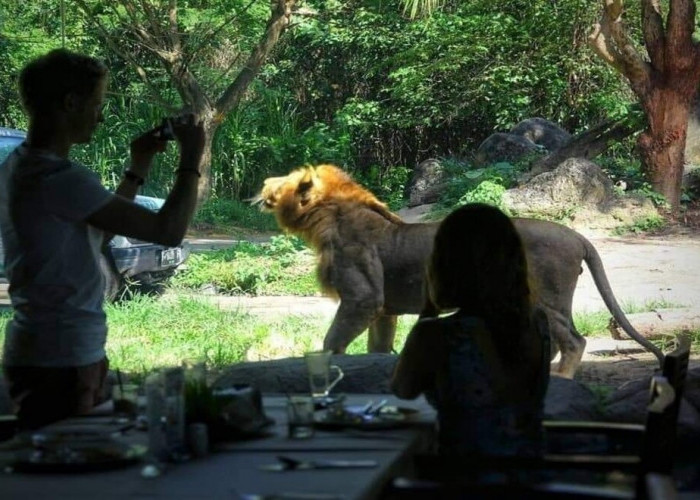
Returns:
(288, 463)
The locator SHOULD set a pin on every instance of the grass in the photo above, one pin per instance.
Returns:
(150, 332)
(221, 215)
(591, 323)
(641, 225)
(284, 266)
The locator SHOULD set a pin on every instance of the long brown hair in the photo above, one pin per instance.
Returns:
(478, 265)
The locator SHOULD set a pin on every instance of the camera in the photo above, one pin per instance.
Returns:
(165, 130)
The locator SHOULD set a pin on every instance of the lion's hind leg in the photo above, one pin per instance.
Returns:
(381, 334)
(570, 343)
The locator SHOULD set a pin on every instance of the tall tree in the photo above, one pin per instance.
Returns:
(131, 28)
(665, 84)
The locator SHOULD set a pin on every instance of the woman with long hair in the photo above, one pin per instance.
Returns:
(485, 366)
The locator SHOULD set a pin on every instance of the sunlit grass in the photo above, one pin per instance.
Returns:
(146, 333)
(592, 323)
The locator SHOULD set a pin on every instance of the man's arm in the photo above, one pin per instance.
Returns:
(167, 226)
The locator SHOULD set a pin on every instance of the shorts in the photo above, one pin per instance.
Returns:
(43, 395)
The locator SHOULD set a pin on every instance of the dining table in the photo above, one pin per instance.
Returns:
(252, 468)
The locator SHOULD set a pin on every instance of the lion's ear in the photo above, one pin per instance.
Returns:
(306, 185)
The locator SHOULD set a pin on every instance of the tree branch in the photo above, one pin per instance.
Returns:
(609, 40)
(598, 40)
(588, 144)
(281, 11)
(117, 49)
(680, 27)
(653, 30)
(174, 34)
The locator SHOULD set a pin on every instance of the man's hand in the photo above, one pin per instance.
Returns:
(189, 134)
(143, 149)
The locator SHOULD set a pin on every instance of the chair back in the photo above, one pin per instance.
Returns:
(662, 416)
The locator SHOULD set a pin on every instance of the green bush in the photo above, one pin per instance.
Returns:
(226, 213)
(282, 266)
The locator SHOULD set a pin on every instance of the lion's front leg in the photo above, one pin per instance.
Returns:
(381, 334)
(352, 318)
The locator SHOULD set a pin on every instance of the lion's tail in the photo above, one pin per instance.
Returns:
(595, 265)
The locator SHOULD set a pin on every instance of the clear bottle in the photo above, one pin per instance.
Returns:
(156, 416)
(174, 383)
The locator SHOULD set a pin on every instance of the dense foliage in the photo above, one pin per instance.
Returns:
(357, 83)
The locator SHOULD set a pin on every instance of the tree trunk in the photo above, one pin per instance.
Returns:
(662, 144)
(665, 84)
(206, 185)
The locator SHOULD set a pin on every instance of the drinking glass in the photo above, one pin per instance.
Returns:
(126, 399)
(300, 417)
(318, 365)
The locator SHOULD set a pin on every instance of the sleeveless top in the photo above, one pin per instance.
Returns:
(471, 420)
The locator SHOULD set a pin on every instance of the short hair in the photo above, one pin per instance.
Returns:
(47, 80)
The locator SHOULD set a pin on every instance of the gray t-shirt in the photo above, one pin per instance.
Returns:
(52, 260)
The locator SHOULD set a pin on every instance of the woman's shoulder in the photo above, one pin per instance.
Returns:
(453, 323)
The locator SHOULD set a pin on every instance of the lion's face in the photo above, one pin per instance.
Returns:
(294, 187)
(294, 197)
(291, 196)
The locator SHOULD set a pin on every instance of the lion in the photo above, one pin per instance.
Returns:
(374, 262)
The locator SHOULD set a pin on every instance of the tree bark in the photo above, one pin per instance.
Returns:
(662, 144)
(665, 85)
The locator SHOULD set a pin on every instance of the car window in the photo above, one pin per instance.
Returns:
(150, 202)
(7, 144)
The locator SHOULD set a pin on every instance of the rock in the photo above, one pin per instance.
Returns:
(570, 400)
(371, 373)
(576, 182)
(420, 213)
(542, 132)
(5, 401)
(691, 391)
(629, 404)
(426, 184)
(364, 373)
(500, 147)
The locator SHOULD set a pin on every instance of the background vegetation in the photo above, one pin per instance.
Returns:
(357, 83)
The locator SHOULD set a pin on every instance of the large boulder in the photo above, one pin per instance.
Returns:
(629, 404)
(542, 132)
(426, 184)
(576, 182)
(364, 373)
(570, 400)
(501, 147)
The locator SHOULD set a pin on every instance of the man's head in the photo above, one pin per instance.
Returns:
(67, 85)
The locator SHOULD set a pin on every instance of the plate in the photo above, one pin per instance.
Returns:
(78, 457)
(389, 417)
(323, 402)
